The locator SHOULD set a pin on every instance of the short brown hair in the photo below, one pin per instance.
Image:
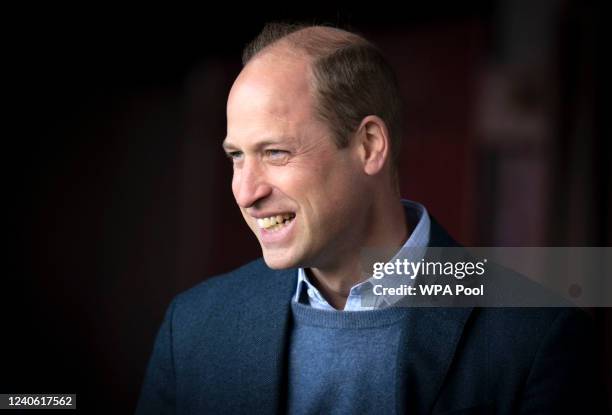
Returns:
(351, 77)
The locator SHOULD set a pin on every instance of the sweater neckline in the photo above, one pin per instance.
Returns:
(308, 316)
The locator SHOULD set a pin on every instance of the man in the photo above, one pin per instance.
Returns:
(313, 132)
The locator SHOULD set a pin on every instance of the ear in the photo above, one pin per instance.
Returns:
(373, 141)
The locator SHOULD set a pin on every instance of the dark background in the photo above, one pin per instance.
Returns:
(119, 194)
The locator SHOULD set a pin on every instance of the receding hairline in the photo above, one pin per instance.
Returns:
(316, 41)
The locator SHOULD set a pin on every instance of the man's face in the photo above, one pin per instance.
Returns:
(297, 191)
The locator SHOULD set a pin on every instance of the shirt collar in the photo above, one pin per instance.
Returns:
(413, 250)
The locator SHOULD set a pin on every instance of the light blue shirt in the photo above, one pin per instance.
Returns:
(413, 250)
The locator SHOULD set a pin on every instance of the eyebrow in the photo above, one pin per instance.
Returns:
(228, 146)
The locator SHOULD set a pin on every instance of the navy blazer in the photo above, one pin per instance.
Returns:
(222, 349)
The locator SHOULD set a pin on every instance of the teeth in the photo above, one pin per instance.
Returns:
(274, 222)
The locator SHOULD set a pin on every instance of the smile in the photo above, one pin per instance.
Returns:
(275, 223)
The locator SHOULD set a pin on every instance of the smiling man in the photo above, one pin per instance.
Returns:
(313, 133)
(299, 186)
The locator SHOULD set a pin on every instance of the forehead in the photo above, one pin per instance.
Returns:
(272, 85)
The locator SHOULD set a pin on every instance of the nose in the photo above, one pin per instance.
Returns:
(249, 183)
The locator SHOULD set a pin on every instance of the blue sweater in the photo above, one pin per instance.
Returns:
(343, 362)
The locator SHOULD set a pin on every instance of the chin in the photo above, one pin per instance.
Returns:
(279, 261)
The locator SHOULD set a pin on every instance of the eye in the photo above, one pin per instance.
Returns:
(234, 155)
(276, 155)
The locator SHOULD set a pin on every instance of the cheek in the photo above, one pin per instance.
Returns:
(318, 191)
(290, 181)
(339, 194)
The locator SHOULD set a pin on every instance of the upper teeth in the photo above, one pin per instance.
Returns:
(273, 220)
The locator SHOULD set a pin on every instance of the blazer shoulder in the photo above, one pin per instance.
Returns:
(252, 281)
(245, 276)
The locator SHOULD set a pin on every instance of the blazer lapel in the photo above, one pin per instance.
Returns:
(262, 344)
(428, 343)
(427, 347)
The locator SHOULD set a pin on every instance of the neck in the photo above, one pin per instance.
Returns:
(383, 228)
